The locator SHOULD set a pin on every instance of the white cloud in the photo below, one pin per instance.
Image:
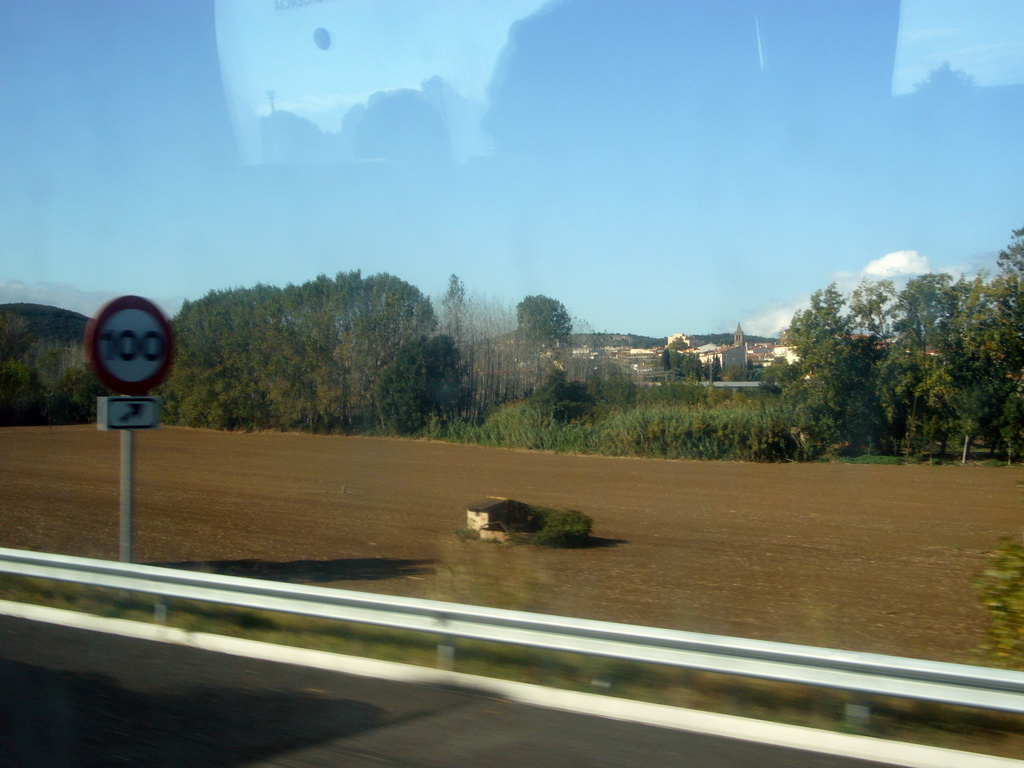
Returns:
(771, 320)
(54, 295)
(897, 264)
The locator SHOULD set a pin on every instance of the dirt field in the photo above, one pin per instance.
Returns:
(871, 558)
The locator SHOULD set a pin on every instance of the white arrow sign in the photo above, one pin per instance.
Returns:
(127, 412)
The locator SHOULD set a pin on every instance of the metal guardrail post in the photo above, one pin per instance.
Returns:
(857, 714)
(160, 610)
(445, 646)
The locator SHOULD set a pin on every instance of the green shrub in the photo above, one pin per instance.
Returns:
(1001, 591)
(661, 431)
(700, 433)
(566, 401)
(564, 528)
(21, 394)
(467, 534)
(870, 458)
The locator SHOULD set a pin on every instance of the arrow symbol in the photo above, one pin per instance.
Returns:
(128, 412)
(134, 411)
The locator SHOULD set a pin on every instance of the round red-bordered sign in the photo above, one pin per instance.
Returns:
(129, 345)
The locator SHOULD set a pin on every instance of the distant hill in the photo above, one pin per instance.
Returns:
(49, 324)
(618, 340)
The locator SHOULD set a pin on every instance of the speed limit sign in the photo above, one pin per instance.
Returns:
(129, 345)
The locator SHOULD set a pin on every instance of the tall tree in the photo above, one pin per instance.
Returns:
(975, 362)
(305, 357)
(453, 310)
(1008, 332)
(424, 380)
(1011, 258)
(916, 386)
(835, 394)
(543, 329)
(871, 306)
(15, 338)
(1008, 302)
(543, 322)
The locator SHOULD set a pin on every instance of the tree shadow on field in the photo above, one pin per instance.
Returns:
(597, 542)
(311, 571)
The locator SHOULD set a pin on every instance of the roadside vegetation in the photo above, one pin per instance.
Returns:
(1001, 591)
(741, 432)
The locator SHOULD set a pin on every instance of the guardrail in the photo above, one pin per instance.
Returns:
(867, 673)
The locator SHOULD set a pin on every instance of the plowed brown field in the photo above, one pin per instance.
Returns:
(872, 558)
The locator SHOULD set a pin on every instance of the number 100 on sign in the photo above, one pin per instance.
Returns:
(132, 345)
(129, 345)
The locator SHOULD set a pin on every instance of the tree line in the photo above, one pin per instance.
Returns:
(43, 377)
(906, 371)
(354, 353)
(931, 368)
(373, 354)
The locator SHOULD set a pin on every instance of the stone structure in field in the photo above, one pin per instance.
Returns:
(495, 517)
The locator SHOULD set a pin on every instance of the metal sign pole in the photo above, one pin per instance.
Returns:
(127, 500)
(130, 346)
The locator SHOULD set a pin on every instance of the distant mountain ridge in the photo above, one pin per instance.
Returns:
(618, 340)
(46, 323)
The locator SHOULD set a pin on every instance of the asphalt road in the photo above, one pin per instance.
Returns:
(70, 697)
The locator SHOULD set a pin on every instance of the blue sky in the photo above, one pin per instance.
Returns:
(659, 166)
